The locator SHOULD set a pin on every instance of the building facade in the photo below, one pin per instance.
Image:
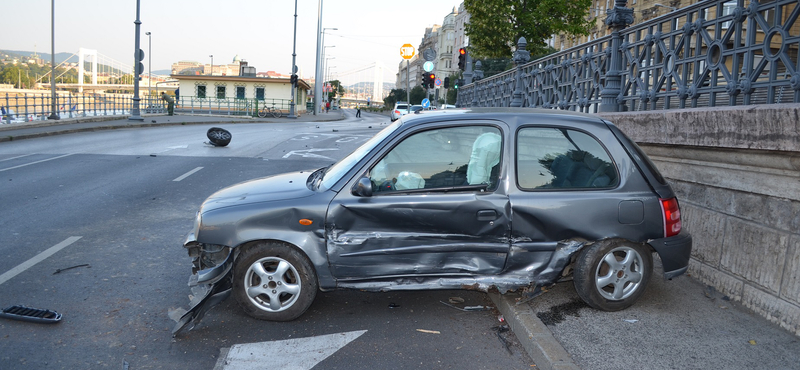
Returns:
(225, 90)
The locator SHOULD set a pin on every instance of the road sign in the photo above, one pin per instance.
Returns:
(438, 82)
(407, 51)
(427, 66)
(429, 54)
(426, 103)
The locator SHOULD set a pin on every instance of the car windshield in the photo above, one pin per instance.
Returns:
(335, 172)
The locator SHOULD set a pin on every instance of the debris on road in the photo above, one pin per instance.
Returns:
(29, 314)
(502, 329)
(466, 308)
(72, 267)
(429, 331)
(632, 321)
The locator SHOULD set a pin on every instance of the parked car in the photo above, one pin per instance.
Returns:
(506, 199)
(417, 108)
(400, 109)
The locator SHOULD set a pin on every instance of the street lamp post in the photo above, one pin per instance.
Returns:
(212, 64)
(53, 114)
(135, 115)
(318, 74)
(292, 103)
(149, 68)
(326, 74)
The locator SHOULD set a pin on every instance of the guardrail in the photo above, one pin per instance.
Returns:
(25, 107)
(713, 53)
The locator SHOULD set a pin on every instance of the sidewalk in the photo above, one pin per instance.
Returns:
(27, 130)
(677, 324)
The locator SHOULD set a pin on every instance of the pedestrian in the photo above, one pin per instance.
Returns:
(358, 111)
(327, 107)
(177, 96)
(170, 103)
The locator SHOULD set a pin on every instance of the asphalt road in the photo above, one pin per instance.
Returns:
(117, 204)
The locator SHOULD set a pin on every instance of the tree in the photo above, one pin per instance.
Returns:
(337, 89)
(495, 26)
(394, 96)
(417, 94)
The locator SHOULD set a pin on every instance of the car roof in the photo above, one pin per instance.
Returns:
(512, 116)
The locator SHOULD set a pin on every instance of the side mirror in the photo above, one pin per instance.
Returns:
(363, 188)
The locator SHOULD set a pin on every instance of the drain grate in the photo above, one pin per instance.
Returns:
(30, 314)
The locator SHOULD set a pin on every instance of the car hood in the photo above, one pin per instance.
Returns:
(267, 189)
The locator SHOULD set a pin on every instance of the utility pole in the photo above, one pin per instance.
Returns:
(135, 115)
(53, 114)
(292, 104)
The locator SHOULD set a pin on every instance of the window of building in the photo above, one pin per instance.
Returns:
(201, 91)
(239, 92)
(220, 92)
(556, 158)
(260, 93)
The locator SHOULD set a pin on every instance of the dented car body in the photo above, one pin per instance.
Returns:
(504, 199)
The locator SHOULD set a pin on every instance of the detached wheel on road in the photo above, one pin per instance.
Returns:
(219, 136)
(611, 275)
(274, 281)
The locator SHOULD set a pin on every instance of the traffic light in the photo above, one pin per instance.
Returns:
(424, 80)
(447, 82)
(431, 80)
(462, 58)
(456, 83)
(293, 79)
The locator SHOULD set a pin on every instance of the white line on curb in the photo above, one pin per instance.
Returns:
(185, 175)
(38, 258)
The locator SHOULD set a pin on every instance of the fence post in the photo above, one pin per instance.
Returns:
(618, 19)
(521, 56)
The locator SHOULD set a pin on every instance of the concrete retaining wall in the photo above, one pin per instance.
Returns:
(737, 174)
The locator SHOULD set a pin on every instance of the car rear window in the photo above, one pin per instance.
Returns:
(401, 106)
(559, 158)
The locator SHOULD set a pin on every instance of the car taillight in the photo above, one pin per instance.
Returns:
(396, 111)
(672, 217)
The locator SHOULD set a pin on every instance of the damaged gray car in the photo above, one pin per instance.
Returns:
(505, 199)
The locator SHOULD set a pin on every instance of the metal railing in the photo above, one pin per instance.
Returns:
(26, 107)
(713, 53)
(229, 106)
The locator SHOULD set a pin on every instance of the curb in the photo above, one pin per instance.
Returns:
(538, 341)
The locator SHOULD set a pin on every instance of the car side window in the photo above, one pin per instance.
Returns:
(441, 159)
(560, 158)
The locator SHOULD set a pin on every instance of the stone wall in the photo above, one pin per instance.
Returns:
(737, 174)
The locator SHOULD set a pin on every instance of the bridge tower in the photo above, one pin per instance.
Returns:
(82, 54)
(377, 82)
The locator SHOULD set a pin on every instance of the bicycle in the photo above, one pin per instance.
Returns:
(269, 110)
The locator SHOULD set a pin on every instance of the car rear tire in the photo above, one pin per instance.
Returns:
(219, 136)
(611, 275)
(274, 281)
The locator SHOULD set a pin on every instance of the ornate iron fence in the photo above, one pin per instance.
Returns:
(713, 53)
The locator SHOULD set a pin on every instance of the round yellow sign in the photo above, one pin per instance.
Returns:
(407, 51)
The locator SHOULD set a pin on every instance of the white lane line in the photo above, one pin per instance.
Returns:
(43, 160)
(38, 258)
(19, 156)
(295, 354)
(185, 175)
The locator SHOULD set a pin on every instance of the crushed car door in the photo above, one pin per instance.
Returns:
(435, 208)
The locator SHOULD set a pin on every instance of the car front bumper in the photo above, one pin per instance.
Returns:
(675, 252)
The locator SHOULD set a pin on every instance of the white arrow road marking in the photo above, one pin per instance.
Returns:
(290, 354)
(309, 153)
(37, 258)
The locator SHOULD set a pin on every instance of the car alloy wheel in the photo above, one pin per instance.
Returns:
(611, 275)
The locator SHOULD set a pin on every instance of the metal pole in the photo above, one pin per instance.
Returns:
(149, 66)
(53, 114)
(135, 115)
(294, 66)
(317, 85)
(408, 88)
(212, 65)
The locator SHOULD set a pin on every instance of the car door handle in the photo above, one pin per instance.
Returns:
(487, 215)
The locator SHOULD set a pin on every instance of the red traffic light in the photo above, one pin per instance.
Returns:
(462, 51)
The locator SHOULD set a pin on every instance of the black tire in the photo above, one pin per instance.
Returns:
(274, 281)
(262, 112)
(611, 275)
(276, 113)
(219, 136)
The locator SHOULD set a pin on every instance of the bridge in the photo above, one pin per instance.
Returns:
(365, 85)
(106, 73)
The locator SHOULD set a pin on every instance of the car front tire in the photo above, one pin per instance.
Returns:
(611, 275)
(274, 282)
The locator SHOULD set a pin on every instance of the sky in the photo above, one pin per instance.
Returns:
(259, 32)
